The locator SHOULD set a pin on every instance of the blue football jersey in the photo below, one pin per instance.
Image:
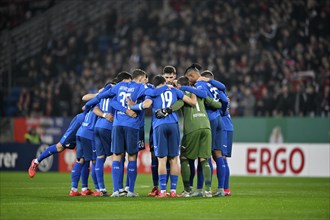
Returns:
(226, 122)
(123, 91)
(212, 92)
(105, 106)
(165, 100)
(141, 114)
(69, 136)
(86, 129)
(75, 123)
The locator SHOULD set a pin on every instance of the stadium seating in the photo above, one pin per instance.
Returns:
(257, 55)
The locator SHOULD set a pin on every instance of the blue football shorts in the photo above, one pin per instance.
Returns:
(102, 141)
(227, 143)
(125, 139)
(84, 148)
(216, 133)
(167, 140)
(68, 140)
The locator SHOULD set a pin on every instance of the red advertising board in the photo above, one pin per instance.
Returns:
(20, 128)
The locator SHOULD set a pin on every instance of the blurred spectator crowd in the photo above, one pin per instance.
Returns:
(16, 12)
(273, 56)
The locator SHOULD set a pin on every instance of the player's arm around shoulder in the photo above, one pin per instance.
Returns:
(147, 103)
(209, 102)
(177, 105)
(89, 96)
(142, 105)
(97, 111)
(189, 100)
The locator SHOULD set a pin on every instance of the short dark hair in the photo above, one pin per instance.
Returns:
(123, 75)
(158, 80)
(169, 69)
(138, 72)
(183, 81)
(110, 82)
(195, 66)
(114, 81)
(207, 73)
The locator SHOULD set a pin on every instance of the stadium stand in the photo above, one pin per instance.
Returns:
(273, 56)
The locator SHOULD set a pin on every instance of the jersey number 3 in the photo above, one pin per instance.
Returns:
(123, 98)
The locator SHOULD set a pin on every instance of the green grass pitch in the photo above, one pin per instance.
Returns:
(46, 197)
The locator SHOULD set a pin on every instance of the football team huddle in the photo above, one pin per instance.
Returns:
(112, 124)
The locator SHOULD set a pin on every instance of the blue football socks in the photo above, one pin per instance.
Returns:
(154, 170)
(192, 172)
(116, 170)
(85, 174)
(131, 174)
(99, 171)
(94, 177)
(200, 177)
(75, 174)
(162, 181)
(127, 181)
(221, 171)
(226, 186)
(174, 182)
(48, 152)
(168, 171)
(211, 167)
(121, 175)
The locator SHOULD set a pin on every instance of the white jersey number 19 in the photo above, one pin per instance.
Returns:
(166, 99)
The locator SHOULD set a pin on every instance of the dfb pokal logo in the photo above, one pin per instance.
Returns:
(47, 163)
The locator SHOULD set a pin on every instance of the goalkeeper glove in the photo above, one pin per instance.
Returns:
(162, 113)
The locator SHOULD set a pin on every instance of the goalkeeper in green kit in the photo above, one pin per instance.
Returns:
(197, 137)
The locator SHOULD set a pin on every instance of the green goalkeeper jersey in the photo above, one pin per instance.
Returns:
(195, 118)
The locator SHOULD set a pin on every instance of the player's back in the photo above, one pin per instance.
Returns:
(75, 123)
(213, 93)
(70, 134)
(165, 100)
(105, 106)
(123, 91)
(87, 127)
(195, 117)
(141, 114)
(224, 111)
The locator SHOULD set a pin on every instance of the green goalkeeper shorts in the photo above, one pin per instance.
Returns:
(197, 144)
